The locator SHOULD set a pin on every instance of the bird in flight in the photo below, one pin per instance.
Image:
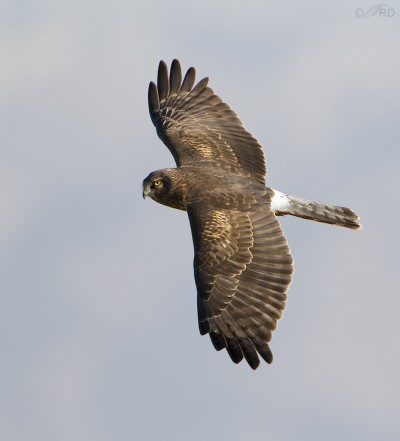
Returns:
(242, 262)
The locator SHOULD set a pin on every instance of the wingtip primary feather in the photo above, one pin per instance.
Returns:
(162, 81)
(154, 101)
(175, 77)
(218, 340)
(234, 350)
(263, 349)
(250, 353)
(202, 84)
(189, 80)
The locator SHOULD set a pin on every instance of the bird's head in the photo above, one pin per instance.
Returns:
(157, 185)
(161, 186)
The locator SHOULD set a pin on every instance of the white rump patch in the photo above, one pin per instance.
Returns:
(279, 202)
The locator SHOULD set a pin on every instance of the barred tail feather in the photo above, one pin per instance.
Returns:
(283, 204)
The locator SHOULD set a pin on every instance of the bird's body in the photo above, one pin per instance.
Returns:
(242, 264)
(227, 191)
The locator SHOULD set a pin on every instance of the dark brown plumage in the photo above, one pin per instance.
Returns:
(242, 262)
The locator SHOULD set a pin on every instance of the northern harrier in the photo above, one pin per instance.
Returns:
(242, 262)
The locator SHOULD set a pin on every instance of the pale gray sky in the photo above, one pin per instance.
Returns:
(98, 328)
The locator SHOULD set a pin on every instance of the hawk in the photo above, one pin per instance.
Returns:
(242, 262)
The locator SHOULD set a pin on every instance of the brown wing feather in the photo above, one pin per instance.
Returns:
(196, 125)
(243, 268)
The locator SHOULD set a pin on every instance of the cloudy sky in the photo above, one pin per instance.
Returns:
(98, 328)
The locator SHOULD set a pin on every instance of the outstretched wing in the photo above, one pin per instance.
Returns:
(196, 125)
(243, 268)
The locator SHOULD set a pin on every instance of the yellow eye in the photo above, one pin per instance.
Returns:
(157, 183)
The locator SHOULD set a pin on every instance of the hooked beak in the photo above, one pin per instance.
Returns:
(146, 190)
